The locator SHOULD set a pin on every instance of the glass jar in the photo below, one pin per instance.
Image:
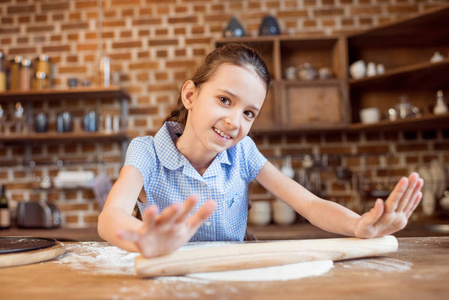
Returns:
(25, 75)
(403, 108)
(41, 81)
(43, 71)
(43, 64)
(16, 65)
(2, 72)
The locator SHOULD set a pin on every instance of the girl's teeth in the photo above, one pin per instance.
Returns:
(222, 134)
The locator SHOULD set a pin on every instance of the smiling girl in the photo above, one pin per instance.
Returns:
(191, 179)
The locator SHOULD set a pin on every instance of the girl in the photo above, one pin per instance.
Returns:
(203, 152)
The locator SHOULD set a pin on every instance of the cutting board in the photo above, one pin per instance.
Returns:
(261, 254)
(16, 251)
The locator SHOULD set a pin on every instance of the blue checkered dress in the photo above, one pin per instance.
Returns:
(170, 178)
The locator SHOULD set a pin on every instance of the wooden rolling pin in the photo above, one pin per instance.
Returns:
(261, 254)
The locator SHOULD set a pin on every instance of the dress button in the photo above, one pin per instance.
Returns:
(207, 223)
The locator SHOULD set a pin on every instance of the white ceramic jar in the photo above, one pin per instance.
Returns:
(260, 213)
(358, 69)
(283, 214)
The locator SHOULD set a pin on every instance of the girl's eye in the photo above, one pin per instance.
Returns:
(224, 100)
(249, 114)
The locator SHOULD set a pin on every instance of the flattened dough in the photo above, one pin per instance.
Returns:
(276, 273)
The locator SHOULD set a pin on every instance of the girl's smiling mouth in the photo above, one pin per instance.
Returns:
(222, 134)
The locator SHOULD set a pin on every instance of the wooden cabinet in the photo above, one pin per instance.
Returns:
(295, 104)
(404, 48)
(73, 99)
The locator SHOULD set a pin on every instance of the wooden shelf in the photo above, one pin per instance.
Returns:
(69, 93)
(276, 130)
(425, 122)
(311, 41)
(429, 28)
(63, 137)
(422, 75)
(311, 83)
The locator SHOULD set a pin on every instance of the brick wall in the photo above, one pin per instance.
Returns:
(154, 46)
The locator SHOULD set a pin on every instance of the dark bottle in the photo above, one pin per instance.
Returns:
(5, 218)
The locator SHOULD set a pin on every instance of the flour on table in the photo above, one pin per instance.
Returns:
(276, 273)
(103, 258)
(96, 257)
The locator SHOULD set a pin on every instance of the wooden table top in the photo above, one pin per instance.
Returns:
(418, 270)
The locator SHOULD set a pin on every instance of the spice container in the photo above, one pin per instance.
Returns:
(16, 65)
(2, 72)
(105, 71)
(25, 75)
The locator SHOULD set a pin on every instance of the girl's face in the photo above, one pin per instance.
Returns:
(222, 111)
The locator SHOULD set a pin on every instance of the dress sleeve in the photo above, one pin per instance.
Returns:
(253, 160)
(141, 154)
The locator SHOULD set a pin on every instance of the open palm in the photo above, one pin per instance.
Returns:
(172, 229)
(392, 215)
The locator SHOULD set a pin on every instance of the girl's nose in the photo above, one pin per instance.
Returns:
(233, 121)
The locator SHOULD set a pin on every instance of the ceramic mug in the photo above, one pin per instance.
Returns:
(370, 115)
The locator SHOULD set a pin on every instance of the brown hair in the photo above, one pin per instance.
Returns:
(232, 53)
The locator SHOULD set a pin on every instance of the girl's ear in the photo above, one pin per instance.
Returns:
(188, 93)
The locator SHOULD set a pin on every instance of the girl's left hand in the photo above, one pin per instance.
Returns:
(392, 215)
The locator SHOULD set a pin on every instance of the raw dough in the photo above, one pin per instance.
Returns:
(276, 273)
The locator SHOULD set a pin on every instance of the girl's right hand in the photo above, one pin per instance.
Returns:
(172, 229)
